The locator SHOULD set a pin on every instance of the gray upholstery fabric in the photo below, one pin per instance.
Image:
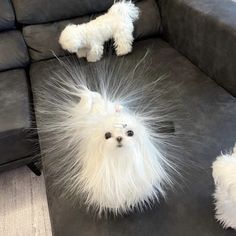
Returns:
(41, 11)
(16, 163)
(7, 17)
(149, 21)
(14, 116)
(42, 39)
(13, 50)
(205, 32)
(208, 129)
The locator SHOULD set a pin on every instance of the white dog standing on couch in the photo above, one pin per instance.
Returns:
(224, 174)
(87, 40)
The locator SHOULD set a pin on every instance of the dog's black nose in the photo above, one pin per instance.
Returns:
(119, 139)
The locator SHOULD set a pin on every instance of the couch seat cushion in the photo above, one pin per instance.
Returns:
(14, 116)
(211, 128)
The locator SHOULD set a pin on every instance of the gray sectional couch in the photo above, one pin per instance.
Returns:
(193, 41)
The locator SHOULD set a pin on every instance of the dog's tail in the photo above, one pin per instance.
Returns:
(126, 9)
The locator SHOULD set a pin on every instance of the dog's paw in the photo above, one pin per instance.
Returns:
(123, 50)
(93, 57)
(95, 53)
(81, 53)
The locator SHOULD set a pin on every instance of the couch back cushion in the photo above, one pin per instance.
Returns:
(42, 11)
(42, 39)
(205, 32)
(13, 51)
(7, 16)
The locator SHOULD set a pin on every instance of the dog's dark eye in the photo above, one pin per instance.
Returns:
(130, 133)
(108, 135)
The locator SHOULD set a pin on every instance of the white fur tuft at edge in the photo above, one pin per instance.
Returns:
(224, 174)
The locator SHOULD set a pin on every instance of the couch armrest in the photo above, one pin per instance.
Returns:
(205, 32)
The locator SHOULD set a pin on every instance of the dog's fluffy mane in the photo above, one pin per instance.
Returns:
(118, 82)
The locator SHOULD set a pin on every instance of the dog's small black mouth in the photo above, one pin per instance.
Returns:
(119, 145)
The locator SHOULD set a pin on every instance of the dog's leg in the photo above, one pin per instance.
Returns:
(82, 52)
(85, 103)
(99, 104)
(95, 53)
(123, 40)
(90, 102)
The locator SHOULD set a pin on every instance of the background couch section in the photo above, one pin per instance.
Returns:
(15, 114)
(193, 42)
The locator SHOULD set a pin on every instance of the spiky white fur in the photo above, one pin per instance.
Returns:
(112, 176)
(86, 40)
(87, 101)
(224, 173)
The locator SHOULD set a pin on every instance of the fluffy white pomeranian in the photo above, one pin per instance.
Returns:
(224, 173)
(99, 137)
(87, 40)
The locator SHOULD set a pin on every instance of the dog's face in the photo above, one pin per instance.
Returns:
(120, 133)
(70, 38)
(115, 135)
(120, 164)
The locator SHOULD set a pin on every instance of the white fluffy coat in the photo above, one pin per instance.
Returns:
(115, 175)
(109, 176)
(224, 173)
(87, 40)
